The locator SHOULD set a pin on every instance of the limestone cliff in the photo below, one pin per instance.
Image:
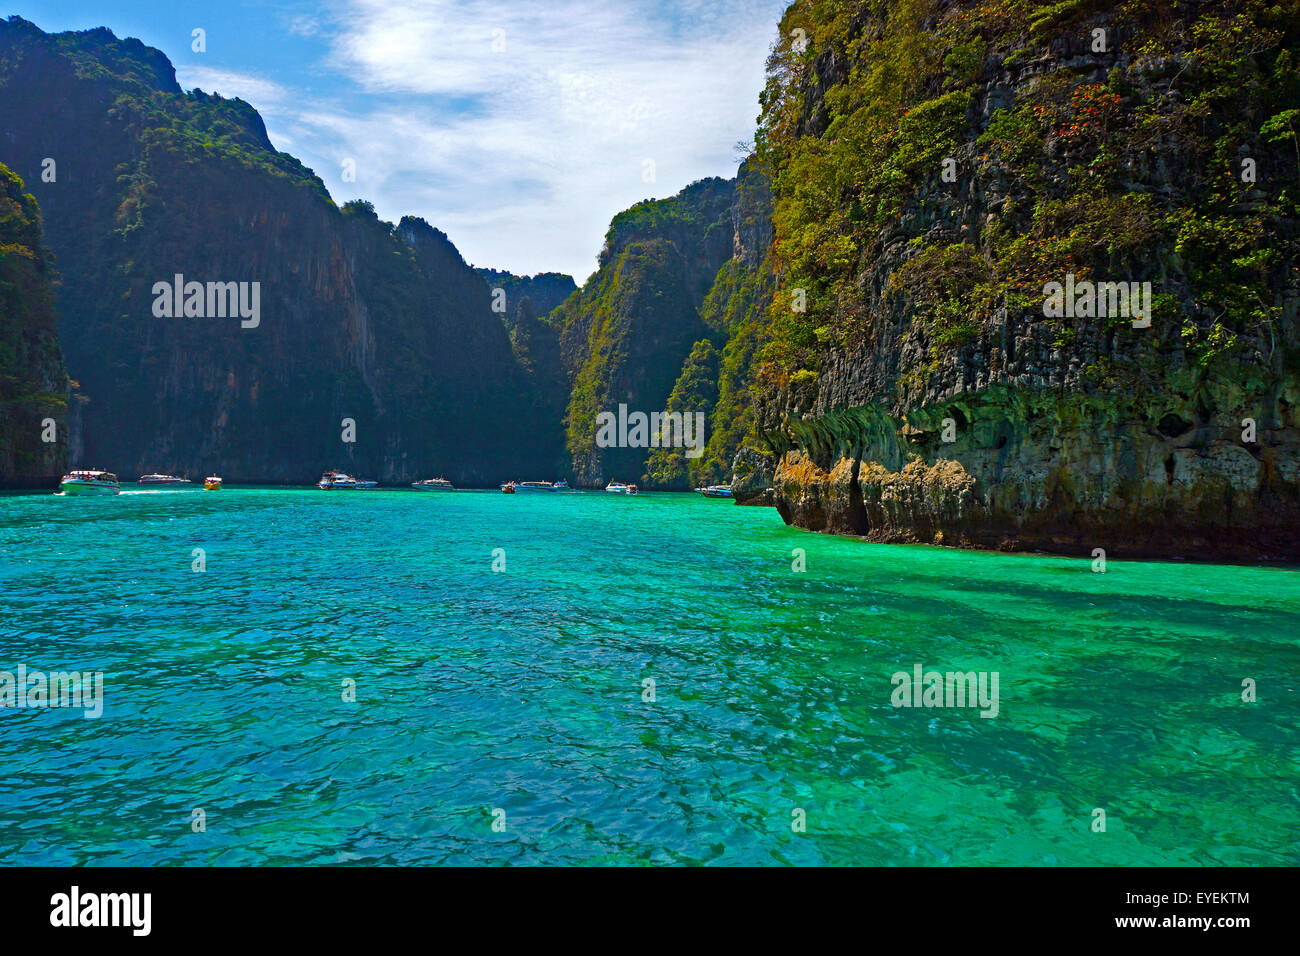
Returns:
(937, 166)
(670, 322)
(544, 291)
(34, 387)
(383, 326)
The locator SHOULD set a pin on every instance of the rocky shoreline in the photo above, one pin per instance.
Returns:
(1063, 476)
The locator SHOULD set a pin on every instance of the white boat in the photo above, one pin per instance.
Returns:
(433, 484)
(365, 483)
(617, 487)
(336, 480)
(161, 480)
(630, 490)
(534, 486)
(89, 483)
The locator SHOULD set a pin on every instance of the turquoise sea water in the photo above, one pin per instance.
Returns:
(522, 690)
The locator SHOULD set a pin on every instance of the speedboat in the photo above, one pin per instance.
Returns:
(508, 487)
(161, 480)
(617, 487)
(336, 480)
(212, 483)
(562, 485)
(630, 489)
(89, 483)
(534, 486)
(366, 483)
(715, 491)
(433, 484)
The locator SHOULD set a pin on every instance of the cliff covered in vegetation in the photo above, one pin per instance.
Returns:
(544, 291)
(34, 387)
(670, 322)
(375, 347)
(937, 166)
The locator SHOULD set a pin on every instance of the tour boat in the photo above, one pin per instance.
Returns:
(89, 483)
(508, 487)
(715, 491)
(336, 480)
(630, 489)
(365, 483)
(534, 486)
(162, 480)
(433, 484)
(617, 487)
(212, 483)
(562, 485)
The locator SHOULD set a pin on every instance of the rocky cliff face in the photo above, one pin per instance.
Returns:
(365, 331)
(626, 333)
(670, 322)
(544, 291)
(34, 387)
(937, 166)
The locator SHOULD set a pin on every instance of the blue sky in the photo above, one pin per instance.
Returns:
(520, 127)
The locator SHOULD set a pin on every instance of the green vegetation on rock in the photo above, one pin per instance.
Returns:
(34, 387)
(937, 164)
(379, 323)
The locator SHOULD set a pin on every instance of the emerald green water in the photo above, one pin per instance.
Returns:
(522, 690)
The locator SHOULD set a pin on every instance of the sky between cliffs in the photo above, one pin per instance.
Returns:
(519, 127)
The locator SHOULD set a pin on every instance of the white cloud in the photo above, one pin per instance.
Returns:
(304, 26)
(523, 154)
(254, 89)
